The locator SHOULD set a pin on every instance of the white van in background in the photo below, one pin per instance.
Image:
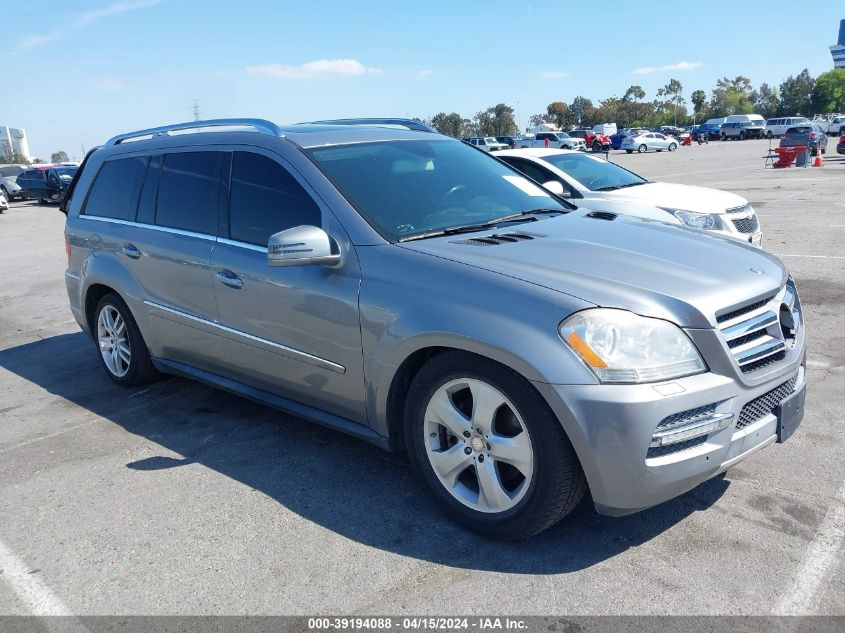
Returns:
(778, 127)
(608, 129)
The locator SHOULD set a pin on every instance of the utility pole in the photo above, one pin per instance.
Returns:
(196, 109)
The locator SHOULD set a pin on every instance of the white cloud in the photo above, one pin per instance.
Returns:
(425, 74)
(320, 69)
(553, 74)
(648, 70)
(81, 20)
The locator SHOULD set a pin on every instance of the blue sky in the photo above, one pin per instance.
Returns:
(93, 68)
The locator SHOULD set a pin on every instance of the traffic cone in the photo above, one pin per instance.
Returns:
(819, 162)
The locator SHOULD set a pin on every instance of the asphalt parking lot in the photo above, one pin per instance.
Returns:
(175, 498)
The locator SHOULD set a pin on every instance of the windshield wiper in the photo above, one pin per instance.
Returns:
(523, 216)
(615, 187)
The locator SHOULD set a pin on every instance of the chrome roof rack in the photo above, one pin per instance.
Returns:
(259, 125)
(408, 124)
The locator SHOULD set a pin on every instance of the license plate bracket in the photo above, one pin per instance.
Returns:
(790, 412)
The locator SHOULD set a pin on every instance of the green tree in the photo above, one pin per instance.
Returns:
(829, 92)
(538, 119)
(559, 114)
(796, 94)
(59, 157)
(452, 124)
(731, 96)
(699, 99)
(583, 112)
(496, 121)
(13, 159)
(634, 93)
(765, 100)
(674, 93)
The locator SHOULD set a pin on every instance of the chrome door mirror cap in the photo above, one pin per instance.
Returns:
(302, 246)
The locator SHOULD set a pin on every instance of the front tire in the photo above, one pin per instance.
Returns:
(123, 352)
(629, 151)
(492, 453)
(673, 147)
(642, 149)
(596, 146)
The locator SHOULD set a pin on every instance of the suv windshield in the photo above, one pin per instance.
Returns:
(14, 170)
(407, 188)
(65, 173)
(594, 173)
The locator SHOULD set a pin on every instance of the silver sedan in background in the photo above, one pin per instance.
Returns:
(649, 141)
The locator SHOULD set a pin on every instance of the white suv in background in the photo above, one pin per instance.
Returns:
(595, 182)
(487, 143)
(779, 126)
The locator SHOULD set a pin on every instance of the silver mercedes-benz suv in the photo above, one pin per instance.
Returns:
(410, 290)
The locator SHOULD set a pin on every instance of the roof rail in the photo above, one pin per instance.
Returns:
(409, 124)
(260, 125)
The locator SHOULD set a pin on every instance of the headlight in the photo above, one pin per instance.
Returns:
(705, 221)
(622, 347)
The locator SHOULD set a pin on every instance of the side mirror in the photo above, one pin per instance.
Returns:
(556, 188)
(302, 246)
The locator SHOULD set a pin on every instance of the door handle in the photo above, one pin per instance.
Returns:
(130, 251)
(228, 278)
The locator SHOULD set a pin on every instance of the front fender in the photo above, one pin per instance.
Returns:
(445, 304)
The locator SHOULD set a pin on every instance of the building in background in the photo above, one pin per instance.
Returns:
(837, 51)
(13, 141)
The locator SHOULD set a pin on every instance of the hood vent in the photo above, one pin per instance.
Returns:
(499, 238)
(601, 215)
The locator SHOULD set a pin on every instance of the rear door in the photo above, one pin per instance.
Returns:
(292, 331)
(169, 249)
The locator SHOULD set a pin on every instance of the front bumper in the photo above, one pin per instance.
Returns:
(613, 426)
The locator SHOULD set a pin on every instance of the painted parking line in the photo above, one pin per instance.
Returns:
(823, 552)
(26, 585)
(811, 256)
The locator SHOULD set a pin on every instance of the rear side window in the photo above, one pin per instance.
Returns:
(188, 191)
(266, 199)
(114, 193)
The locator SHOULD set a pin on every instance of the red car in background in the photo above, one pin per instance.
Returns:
(840, 146)
(596, 142)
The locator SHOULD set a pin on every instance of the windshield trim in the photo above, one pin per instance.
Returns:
(350, 200)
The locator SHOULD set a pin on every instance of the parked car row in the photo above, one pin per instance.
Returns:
(525, 350)
(9, 187)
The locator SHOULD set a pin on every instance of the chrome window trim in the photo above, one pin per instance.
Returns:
(156, 227)
(252, 247)
(288, 351)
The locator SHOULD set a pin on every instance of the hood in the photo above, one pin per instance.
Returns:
(675, 196)
(651, 268)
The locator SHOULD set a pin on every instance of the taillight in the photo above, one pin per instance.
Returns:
(813, 135)
(67, 249)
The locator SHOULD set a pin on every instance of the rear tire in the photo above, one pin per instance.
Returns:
(122, 350)
(769, 135)
(724, 138)
(596, 146)
(642, 149)
(541, 481)
(742, 136)
(629, 151)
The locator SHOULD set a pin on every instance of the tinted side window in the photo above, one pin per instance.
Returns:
(188, 191)
(266, 199)
(116, 187)
(147, 202)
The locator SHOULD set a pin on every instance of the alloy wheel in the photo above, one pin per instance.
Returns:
(478, 445)
(113, 341)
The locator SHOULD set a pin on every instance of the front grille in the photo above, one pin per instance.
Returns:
(754, 333)
(764, 405)
(746, 225)
(745, 208)
(727, 316)
(763, 362)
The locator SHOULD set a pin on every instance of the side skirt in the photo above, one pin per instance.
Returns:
(312, 414)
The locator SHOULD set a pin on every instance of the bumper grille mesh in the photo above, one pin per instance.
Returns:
(746, 225)
(660, 451)
(764, 405)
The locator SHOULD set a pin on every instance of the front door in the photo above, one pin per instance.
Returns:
(292, 331)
